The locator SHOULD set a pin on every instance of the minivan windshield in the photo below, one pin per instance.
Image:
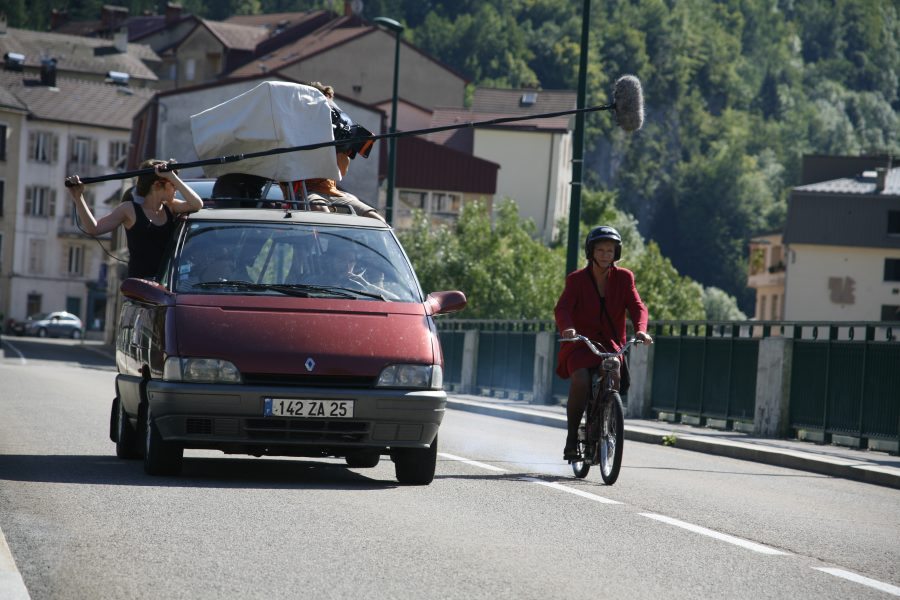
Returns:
(295, 260)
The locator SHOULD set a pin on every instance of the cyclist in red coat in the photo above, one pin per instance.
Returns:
(594, 304)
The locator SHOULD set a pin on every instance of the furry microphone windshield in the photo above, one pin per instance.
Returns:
(628, 103)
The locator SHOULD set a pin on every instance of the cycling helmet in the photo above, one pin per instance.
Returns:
(604, 232)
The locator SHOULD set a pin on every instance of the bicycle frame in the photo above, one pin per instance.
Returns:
(600, 437)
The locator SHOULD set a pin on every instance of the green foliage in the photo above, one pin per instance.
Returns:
(719, 306)
(503, 270)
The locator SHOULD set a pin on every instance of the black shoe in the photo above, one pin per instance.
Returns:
(570, 454)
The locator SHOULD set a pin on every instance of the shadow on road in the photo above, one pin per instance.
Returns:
(197, 472)
(86, 354)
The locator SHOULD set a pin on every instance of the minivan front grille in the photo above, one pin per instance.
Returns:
(306, 430)
(324, 381)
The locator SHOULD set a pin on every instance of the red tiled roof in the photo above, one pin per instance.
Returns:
(457, 116)
(236, 37)
(272, 20)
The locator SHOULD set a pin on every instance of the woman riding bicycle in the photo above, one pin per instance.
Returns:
(594, 304)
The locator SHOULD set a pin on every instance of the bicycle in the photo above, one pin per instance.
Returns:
(601, 435)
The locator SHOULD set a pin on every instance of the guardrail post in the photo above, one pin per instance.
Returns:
(544, 344)
(469, 361)
(640, 367)
(773, 387)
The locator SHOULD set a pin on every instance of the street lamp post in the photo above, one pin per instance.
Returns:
(574, 241)
(397, 29)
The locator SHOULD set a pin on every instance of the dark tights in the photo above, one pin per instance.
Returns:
(579, 387)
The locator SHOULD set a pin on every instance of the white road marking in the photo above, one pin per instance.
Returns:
(474, 463)
(16, 350)
(571, 490)
(715, 534)
(872, 583)
(12, 587)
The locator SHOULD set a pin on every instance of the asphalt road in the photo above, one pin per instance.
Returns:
(504, 518)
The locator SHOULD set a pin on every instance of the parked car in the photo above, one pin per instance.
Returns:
(285, 332)
(54, 324)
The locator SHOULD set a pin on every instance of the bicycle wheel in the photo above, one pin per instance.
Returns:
(581, 467)
(612, 438)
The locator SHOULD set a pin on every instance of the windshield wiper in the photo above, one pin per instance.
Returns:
(334, 290)
(256, 287)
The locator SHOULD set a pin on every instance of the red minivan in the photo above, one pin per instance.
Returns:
(281, 332)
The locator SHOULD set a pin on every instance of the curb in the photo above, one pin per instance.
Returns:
(834, 467)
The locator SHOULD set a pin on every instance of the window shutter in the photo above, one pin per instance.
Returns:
(29, 193)
(93, 152)
(52, 202)
(54, 143)
(32, 140)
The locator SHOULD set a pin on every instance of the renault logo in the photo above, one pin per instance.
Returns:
(310, 364)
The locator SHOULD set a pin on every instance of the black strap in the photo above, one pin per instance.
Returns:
(602, 299)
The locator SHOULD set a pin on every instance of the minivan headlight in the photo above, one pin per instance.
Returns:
(421, 377)
(200, 370)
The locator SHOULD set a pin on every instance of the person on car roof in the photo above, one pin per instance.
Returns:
(147, 212)
(323, 193)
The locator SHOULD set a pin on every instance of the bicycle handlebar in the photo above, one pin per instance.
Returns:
(593, 348)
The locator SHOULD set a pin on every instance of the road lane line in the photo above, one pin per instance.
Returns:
(715, 534)
(571, 490)
(12, 587)
(474, 463)
(16, 350)
(872, 583)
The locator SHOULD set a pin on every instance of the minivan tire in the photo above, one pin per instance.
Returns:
(160, 457)
(126, 437)
(415, 466)
(363, 459)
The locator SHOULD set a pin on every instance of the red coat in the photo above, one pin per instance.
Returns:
(578, 308)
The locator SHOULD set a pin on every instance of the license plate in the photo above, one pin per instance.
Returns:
(326, 409)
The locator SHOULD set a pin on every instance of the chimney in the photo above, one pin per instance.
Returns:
(48, 72)
(173, 13)
(58, 18)
(120, 40)
(880, 179)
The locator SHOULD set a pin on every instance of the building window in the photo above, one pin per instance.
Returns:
(2, 142)
(40, 201)
(36, 257)
(774, 307)
(890, 313)
(761, 313)
(413, 199)
(892, 269)
(118, 152)
(445, 203)
(1, 260)
(190, 69)
(894, 222)
(2, 194)
(33, 304)
(83, 151)
(42, 146)
(76, 260)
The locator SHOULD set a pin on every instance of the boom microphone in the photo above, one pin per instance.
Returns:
(628, 103)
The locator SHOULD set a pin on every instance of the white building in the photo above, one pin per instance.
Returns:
(843, 259)
(52, 128)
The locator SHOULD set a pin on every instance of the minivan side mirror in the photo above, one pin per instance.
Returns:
(442, 303)
(144, 290)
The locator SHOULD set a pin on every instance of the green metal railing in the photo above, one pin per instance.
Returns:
(705, 369)
(844, 383)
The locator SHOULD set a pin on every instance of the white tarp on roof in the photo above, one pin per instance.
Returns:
(274, 114)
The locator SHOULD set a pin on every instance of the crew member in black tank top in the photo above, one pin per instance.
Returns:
(147, 212)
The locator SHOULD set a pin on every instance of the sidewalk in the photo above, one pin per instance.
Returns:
(860, 465)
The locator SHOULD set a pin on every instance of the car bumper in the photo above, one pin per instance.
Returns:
(231, 418)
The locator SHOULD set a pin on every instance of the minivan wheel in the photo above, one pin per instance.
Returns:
(126, 437)
(363, 459)
(76, 334)
(42, 332)
(160, 457)
(415, 466)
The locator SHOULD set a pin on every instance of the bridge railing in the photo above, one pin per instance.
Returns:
(826, 381)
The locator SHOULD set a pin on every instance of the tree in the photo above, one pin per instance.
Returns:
(719, 306)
